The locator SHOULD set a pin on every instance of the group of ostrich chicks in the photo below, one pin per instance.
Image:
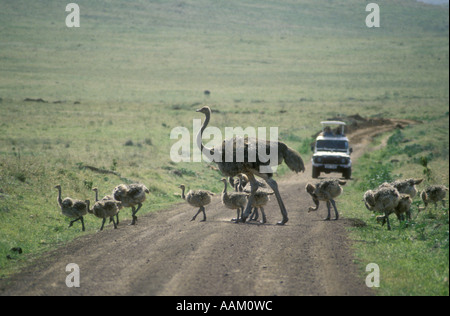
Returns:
(388, 198)
(396, 197)
(108, 207)
(236, 200)
(133, 195)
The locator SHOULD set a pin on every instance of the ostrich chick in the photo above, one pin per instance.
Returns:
(403, 207)
(326, 190)
(243, 181)
(234, 201)
(197, 198)
(130, 196)
(434, 194)
(385, 199)
(407, 186)
(106, 209)
(109, 198)
(260, 200)
(74, 209)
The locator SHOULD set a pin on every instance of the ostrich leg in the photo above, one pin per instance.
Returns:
(76, 220)
(239, 211)
(195, 216)
(204, 214)
(103, 224)
(264, 218)
(273, 184)
(254, 187)
(82, 224)
(114, 223)
(386, 216)
(255, 214)
(133, 221)
(335, 209)
(117, 219)
(328, 207)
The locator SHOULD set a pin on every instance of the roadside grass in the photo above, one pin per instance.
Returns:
(414, 256)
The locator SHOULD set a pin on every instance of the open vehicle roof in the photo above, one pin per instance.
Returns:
(332, 123)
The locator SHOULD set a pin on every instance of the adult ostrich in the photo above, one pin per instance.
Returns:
(252, 164)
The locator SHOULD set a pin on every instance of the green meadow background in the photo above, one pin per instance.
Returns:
(114, 89)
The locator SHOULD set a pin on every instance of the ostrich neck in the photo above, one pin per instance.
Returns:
(182, 194)
(96, 196)
(200, 134)
(59, 197)
(225, 188)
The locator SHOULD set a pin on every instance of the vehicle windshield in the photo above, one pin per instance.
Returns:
(332, 145)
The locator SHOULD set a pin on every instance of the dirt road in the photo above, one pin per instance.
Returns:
(167, 254)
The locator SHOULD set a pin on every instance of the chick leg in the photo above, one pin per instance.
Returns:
(204, 214)
(335, 209)
(195, 216)
(134, 220)
(329, 210)
(264, 219)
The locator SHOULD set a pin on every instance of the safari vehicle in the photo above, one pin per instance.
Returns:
(332, 151)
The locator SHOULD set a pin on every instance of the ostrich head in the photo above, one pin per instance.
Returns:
(405, 198)
(423, 195)
(58, 186)
(310, 188)
(182, 187)
(204, 110)
(369, 199)
(242, 177)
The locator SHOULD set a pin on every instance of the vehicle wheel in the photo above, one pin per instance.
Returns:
(347, 174)
(315, 173)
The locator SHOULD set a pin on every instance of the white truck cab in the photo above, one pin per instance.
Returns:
(332, 150)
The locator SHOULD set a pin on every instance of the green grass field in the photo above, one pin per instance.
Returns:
(414, 256)
(116, 87)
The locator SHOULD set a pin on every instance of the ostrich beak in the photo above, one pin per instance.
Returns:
(198, 110)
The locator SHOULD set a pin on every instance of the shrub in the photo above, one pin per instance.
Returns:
(378, 173)
(396, 138)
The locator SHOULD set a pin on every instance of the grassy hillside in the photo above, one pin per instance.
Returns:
(116, 87)
(170, 51)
